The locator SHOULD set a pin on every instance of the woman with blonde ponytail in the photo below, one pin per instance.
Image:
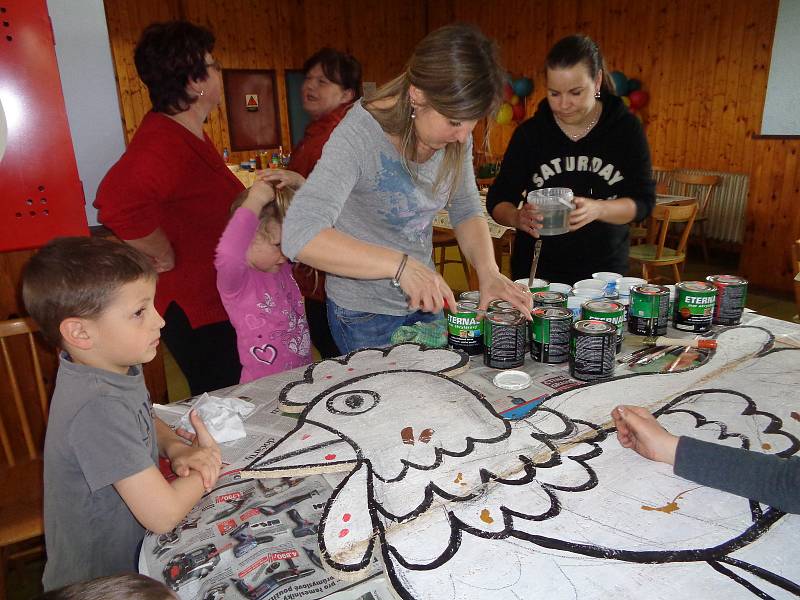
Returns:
(365, 214)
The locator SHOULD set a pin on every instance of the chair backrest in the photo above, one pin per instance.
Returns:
(683, 211)
(663, 178)
(696, 186)
(27, 374)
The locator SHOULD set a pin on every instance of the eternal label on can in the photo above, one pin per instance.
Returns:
(591, 350)
(505, 339)
(694, 306)
(550, 331)
(606, 310)
(549, 298)
(648, 311)
(731, 298)
(464, 331)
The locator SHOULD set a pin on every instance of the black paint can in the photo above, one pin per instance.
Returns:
(505, 339)
(592, 348)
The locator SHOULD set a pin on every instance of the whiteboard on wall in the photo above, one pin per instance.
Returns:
(781, 114)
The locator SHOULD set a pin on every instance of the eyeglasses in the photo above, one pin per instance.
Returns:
(214, 65)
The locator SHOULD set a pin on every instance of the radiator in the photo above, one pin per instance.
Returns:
(726, 208)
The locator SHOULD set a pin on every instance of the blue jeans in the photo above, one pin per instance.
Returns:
(353, 330)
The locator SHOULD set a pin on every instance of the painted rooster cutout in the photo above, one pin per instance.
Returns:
(463, 504)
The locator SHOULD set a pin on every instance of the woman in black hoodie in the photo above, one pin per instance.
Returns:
(584, 138)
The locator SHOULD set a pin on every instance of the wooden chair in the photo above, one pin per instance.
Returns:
(443, 239)
(700, 187)
(654, 253)
(663, 178)
(24, 393)
(796, 272)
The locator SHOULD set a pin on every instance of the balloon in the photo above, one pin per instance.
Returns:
(620, 82)
(522, 86)
(633, 85)
(639, 99)
(508, 91)
(514, 100)
(504, 115)
(518, 112)
(626, 100)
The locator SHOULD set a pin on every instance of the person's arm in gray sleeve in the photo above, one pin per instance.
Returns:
(767, 478)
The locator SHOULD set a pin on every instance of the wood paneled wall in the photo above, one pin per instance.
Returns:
(704, 63)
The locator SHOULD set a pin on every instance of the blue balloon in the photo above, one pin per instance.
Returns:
(522, 87)
(620, 82)
(633, 85)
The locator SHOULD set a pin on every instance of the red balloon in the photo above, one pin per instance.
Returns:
(518, 113)
(508, 91)
(639, 99)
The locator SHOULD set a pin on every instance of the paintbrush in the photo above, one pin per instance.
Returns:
(535, 262)
(688, 343)
(678, 360)
(648, 358)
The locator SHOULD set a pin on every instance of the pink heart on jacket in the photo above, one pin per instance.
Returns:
(254, 322)
(266, 353)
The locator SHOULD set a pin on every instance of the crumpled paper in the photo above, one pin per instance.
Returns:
(222, 417)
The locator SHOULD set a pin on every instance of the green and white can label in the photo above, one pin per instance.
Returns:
(464, 330)
(606, 310)
(694, 306)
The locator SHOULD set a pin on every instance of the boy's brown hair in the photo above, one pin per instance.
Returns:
(130, 586)
(78, 277)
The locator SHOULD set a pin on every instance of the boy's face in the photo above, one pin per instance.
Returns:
(126, 333)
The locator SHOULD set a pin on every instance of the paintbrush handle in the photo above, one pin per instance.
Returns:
(687, 343)
(537, 248)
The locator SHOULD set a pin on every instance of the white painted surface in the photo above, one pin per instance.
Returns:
(90, 91)
(781, 116)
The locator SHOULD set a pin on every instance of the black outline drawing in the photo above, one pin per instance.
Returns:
(717, 557)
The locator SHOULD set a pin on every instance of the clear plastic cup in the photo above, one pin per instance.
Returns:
(597, 284)
(555, 204)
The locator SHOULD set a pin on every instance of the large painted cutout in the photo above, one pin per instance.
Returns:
(463, 504)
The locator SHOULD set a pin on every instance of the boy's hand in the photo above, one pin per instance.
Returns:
(638, 430)
(202, 456)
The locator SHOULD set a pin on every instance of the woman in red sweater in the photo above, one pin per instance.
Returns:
(169, 196)
(332, 83)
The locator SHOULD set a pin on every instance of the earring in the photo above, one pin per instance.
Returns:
(413, 109)
(597, 94)
(202, 92)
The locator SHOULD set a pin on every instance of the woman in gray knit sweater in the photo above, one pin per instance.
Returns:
(365, 214)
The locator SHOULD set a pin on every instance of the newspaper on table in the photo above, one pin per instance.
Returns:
(251, 539)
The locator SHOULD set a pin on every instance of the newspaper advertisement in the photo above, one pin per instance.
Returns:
(252, 539)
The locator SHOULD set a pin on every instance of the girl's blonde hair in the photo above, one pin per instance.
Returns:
(275, 211)
(458, 69)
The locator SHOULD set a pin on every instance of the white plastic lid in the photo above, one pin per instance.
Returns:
(512, 380)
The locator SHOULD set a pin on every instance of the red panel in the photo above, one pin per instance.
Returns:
(40, 194)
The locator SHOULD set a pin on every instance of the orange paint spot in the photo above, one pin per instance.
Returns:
(669, 507)
(458, 478)
(486, 516)
(766, 446)
(795, 415)
(426, 435)
(407, 435)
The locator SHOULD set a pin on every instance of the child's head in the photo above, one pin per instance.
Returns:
(94, 297)
(116, 587)
(264, 253)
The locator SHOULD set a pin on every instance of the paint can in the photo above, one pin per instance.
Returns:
(549, 299)
(464, 330)
(500, 305)
(606, 310)
(648, 310)
(537, 285)
(550, 331)
(731, 298)
(694, 306)
(505, 339)
(591, 350)
(471, 296)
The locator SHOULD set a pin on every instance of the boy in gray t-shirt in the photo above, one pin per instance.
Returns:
(93, 298)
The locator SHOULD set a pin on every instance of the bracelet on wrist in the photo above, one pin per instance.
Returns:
(396, 278)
